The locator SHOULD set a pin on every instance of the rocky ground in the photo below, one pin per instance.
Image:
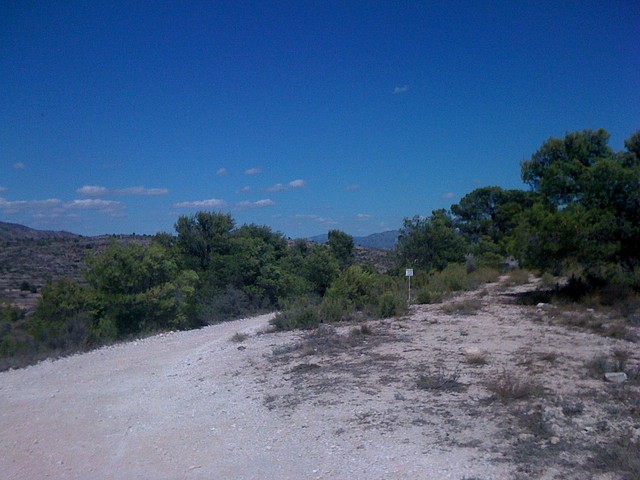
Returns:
(479, 387)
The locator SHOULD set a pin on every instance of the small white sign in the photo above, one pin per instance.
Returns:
(409, 272)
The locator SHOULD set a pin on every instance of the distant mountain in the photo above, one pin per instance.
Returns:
(12, 231)
(382, 241)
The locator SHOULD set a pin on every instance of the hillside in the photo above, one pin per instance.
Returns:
(382, 241)
(11, 232)
(30, 258)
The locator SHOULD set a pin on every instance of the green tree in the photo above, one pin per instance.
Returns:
(140, 288)
(491, 213)
(341, 244)
(203, 238)
(431, 242)
(589, 215)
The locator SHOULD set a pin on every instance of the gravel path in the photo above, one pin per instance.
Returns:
(203, 405)
(185, 405)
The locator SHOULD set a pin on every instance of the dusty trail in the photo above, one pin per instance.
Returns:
(197, 405)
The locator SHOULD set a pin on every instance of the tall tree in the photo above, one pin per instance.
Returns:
(341, 244)
(431, 242)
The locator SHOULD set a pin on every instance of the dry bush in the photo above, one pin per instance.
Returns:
(621, 455)
(239, 337)
(469, 306)
(517, 277)
(476, 358)
(508, 387)
(549, 357)
(440, 379)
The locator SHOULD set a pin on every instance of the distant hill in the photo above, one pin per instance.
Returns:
(10, 232)
(383, 241)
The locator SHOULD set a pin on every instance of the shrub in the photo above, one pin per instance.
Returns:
(428, 296)
(517, 277)
(440, 379)
(468, 306)
(391, 304)
(507, 387)
(303, 313)
(620, 456)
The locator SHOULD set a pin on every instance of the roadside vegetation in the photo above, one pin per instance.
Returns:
(578, 227)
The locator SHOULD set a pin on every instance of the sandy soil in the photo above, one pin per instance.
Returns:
(404, 398)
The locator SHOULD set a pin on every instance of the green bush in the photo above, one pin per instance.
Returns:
(392, 304)
(428, 296)
(303, 313)
(335, 309)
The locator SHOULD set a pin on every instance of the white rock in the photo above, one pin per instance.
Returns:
(615, 377)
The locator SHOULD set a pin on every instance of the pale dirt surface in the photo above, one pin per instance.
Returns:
(333, 405)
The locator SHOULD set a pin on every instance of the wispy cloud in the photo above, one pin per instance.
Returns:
(364, 216)
(246, 189)
(28, 206)
(315, 219)
(351, 188)
(449, 195)
(402, 89)
(109, 207)
(281, 187)
(299, 183)
(210, 203)
(98, 191)
(253, 171)
(2, 189)
(267, 202)
(19, 166)
(222, 172)
(278, 187)
(142, 191)
(54, 207)
(92, 191)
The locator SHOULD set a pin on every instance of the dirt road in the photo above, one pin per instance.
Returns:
(205, 405)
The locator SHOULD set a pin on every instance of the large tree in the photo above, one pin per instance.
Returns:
(431, 242)
(589, 216)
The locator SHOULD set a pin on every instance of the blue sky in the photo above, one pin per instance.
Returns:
(118, 117)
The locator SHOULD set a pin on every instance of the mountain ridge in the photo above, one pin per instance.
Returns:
(382, 241)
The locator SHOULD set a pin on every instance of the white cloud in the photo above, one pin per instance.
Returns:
(210, 203)
(278, 187)
(449, 195)
(109, 207)
(98, 191)
(92, 191)
(26, 206)
(19, 166)
(281, 187)
(364, 216)
(351, 188)
(253, 171)
(315, 218)
(246, 189)
(54, 208)
(141, 191)
(267, 202)
(222, 172)
(299, 183)
(401, 89)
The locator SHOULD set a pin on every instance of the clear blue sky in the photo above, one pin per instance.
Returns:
(118, 117)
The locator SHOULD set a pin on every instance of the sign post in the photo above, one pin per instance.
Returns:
(409, 273)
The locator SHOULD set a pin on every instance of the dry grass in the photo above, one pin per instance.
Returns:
(476, 358)
(508, 387)
(469, 306)
(440, 379)
(239, 337)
